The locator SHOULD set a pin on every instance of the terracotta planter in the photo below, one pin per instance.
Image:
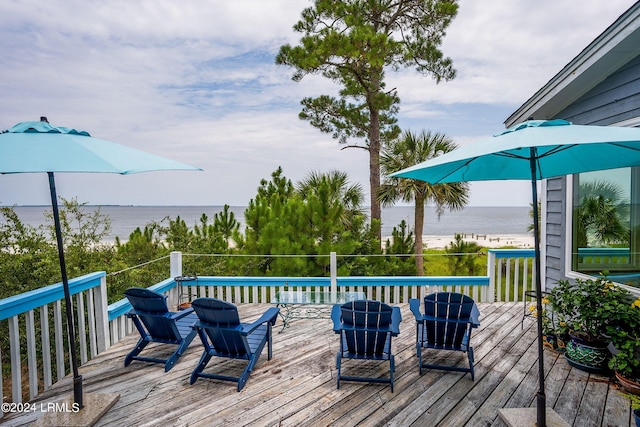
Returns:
(184, 306)
(628, 385)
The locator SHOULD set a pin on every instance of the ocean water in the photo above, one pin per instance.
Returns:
(470, 220)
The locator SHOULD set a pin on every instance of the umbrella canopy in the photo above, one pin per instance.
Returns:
(533, 150)
(561, 148)
(39, 147)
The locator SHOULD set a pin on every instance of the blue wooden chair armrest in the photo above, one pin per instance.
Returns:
(396, 318)
(335, 316)
(180, 314)
(414, 306)
(475, 316)
(268, 316)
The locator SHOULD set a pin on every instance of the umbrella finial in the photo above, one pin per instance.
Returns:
(44, 119)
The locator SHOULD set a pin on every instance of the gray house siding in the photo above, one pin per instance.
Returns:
(555, 231)
(615, 99)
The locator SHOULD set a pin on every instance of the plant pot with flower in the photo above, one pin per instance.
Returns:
(587, 308)
(554, 333)
(625, 347)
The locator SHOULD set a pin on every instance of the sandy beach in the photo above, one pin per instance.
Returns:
(486, 240)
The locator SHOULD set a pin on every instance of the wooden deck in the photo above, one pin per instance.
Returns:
(298, 386)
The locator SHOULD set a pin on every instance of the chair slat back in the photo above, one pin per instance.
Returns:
(221, 322)
(151, 308)
(366, 326)
(146, 300)
(447, 308)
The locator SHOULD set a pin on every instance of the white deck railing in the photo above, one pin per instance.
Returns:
(37, 316)
(41, 313)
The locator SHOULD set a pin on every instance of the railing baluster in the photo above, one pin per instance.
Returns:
(125, 327)
(507, 296)
(92, 324)
(82, 327)
(516, 279)
(32, 363)
(16, 367)
(46, 346)
(113, 331)
(59, 339)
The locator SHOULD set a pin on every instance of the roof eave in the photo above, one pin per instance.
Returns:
(617, 45)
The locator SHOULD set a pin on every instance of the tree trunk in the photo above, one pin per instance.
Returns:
(419, 225)
(374, 169)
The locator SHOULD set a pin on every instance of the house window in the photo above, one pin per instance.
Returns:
(606, 224)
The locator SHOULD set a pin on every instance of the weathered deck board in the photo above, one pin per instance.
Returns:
(298, 386)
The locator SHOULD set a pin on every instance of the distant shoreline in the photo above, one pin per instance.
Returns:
(494, 225)
(487, 240)
(491, 241)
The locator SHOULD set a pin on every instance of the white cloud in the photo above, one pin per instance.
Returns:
(195, 80)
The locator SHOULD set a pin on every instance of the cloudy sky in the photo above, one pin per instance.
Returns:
(195, 80)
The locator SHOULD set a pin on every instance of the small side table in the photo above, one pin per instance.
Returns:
(310, 304)
(184, 296)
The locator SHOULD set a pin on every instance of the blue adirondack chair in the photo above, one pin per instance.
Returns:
(156, 323)
(446, 325)
(365, 329)
(223, 335)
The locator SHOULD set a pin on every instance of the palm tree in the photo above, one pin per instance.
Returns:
(350, 196)
(409, 150)
(531, 228)
(603, 214)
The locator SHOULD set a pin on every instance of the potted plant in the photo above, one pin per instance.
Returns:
(554, 331)
(625, 345)
(587, 309)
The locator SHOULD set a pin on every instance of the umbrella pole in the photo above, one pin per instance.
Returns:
(540, 396)
(77, 379)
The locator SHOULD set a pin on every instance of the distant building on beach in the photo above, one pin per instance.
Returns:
(600, 86)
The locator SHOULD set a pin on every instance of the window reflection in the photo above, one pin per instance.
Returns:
(605, 224)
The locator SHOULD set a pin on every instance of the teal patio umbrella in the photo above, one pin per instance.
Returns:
(533, 150)
(31, 147)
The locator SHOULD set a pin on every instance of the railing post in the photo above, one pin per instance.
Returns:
(490, 294)
(333, 267)
(175, 270)
(175, 264)
(102, 315)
